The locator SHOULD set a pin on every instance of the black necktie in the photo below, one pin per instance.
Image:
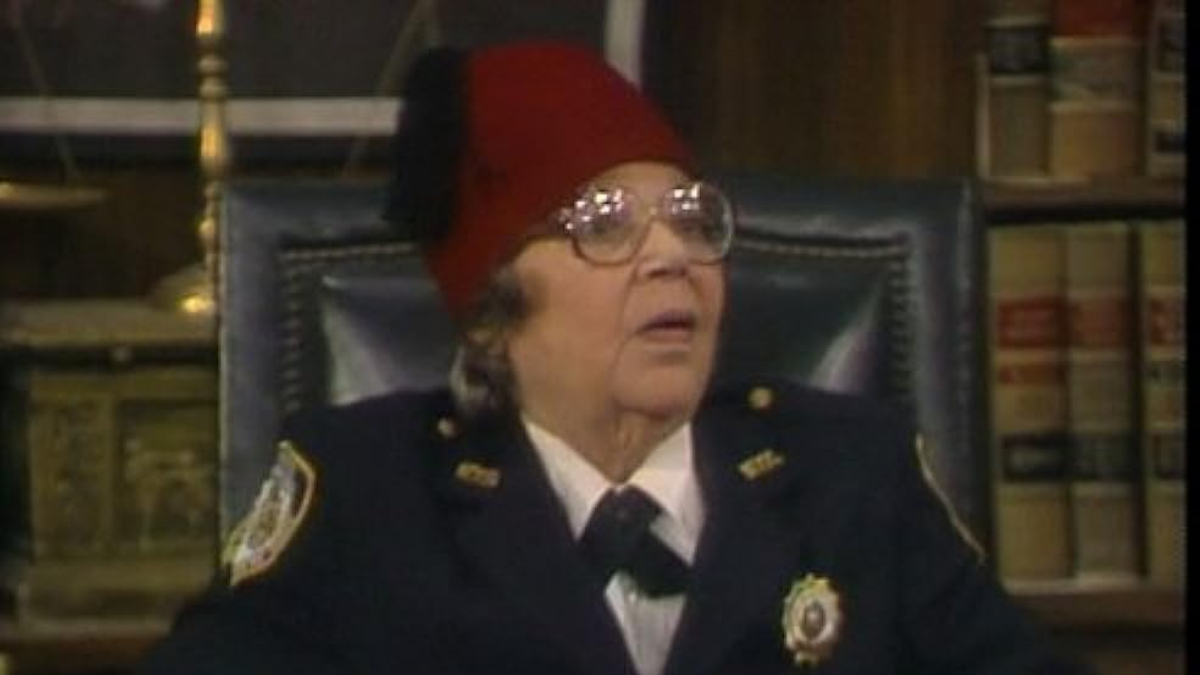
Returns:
(618, 538)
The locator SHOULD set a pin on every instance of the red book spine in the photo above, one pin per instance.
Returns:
(1096, 18)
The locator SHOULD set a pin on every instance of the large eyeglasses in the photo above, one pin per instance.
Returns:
(608, 224)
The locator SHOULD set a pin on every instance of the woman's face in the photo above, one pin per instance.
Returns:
(635, 337)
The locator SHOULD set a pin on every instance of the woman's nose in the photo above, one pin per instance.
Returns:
(662, 251)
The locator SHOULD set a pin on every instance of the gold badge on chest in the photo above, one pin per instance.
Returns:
(812, 619)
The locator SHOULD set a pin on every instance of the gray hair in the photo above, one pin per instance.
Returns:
(481, 377)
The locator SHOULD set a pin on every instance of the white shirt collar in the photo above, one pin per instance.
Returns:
(667, 475)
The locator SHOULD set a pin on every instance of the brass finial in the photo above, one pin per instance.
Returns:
(191, 290)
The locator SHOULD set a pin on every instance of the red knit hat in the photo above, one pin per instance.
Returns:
(540, 119)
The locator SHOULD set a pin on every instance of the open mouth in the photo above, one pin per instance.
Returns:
(674, 325)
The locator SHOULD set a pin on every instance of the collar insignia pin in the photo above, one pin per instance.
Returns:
(760, 464)
(812, 619)
(477, 475)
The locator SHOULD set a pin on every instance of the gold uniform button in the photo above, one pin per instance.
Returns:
(446, 428)
(761, 398)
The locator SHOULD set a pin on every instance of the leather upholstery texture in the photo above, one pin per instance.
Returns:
(852, 285)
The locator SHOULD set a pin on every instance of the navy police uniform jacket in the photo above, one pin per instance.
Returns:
(401, 541)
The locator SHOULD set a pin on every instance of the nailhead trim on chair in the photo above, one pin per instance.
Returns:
(301, 270)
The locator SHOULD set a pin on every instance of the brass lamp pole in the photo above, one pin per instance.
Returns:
(192, 290)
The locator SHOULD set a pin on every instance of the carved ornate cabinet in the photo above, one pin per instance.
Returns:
(109, 459)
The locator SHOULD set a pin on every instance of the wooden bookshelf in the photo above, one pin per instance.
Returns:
(1130, 630)
(1012, 201)
(1083, 606)
(1127, 628)
(78, 647)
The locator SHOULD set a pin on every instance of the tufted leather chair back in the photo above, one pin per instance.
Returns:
(864, 286)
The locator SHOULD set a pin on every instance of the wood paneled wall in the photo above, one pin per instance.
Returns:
(143, 229)
(850, 87)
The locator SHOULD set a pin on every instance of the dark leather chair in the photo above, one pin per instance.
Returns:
(873, 287)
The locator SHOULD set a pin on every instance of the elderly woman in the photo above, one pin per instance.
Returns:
(578, 502)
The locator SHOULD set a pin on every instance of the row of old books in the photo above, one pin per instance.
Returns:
(1087, 395)
(1081, 89)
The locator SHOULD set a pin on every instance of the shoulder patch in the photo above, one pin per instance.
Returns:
(927, 474)
(279, 509)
